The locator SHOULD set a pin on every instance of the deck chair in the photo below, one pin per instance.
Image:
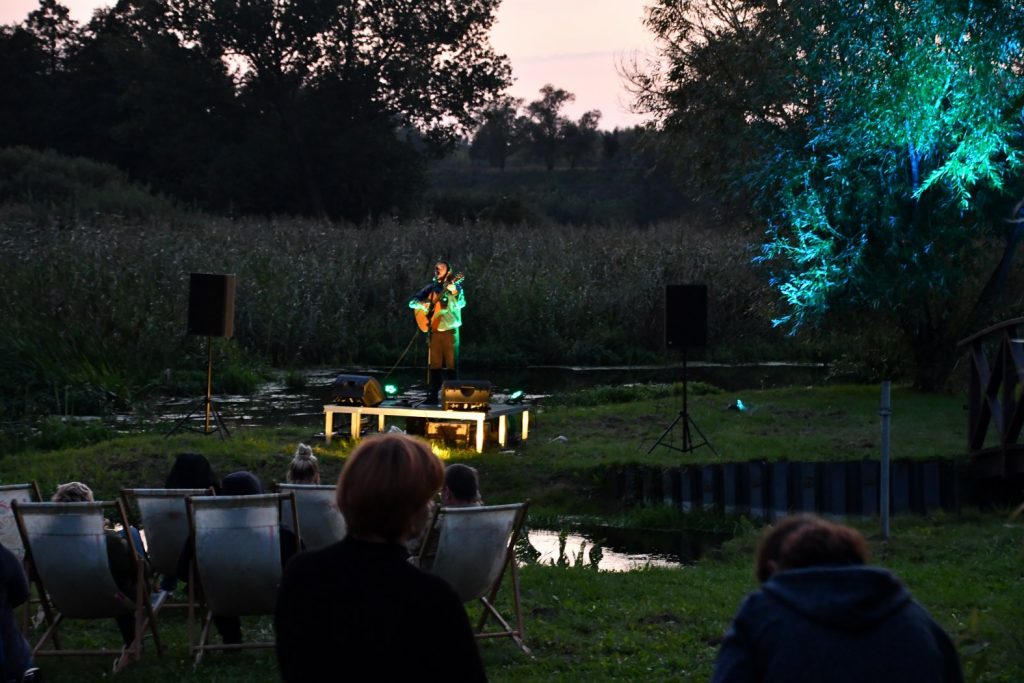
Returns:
(236, 559)
(322, 523)
(67, 546)
(475, 545)
(9, 535)
(164, 519)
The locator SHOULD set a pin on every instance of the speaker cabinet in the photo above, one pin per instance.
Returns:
(356, 390)
(211, 305)
(466, 394)
(686, 317)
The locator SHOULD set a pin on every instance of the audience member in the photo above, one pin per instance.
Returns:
(461, 486)
(304, 468)
(358, 604)
(461, 489)
(16, 654)
(191, 471)
(236, 484)
(822, 615)
(119, 554)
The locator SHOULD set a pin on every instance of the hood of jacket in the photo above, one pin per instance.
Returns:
(850, 598)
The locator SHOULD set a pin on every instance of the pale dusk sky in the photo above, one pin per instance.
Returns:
(572, 44)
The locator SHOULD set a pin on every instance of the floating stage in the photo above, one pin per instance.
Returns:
(493, 418)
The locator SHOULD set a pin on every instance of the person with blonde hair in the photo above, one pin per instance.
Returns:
(119, 553)
(358, 606)
(822, 614)
(304, 468)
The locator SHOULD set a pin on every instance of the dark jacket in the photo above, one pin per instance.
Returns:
(835, 624)
(16, 656)
(361, 610)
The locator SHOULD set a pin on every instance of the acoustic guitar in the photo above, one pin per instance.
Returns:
(428, 320)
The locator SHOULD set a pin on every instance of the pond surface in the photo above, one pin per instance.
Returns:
(274, 403)
(620, 549)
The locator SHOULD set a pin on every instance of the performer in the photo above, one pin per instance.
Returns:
(441, 302)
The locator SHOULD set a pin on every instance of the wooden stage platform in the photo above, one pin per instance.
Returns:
(498, 414)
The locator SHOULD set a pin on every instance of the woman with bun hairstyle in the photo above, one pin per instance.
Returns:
(304, 468)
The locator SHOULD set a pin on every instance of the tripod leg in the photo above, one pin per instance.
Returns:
(668, 430)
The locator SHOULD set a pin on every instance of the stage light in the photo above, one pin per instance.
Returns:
(391, 390)
(738, 404)
(515, 397)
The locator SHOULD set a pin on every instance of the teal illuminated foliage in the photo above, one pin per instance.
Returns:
(879, 143)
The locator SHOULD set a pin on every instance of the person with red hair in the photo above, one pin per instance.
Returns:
(358, 607)
(823, 615)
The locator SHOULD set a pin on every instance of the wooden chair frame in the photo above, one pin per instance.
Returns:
(143, 609)
(487, 599)
(197, 600)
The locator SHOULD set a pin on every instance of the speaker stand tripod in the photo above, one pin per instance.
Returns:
(686, 421)
(206, 404)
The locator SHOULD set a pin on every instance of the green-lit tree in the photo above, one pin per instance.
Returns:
(878, 142)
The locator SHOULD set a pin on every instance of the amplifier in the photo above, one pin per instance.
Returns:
(356, 390)
(466, 394)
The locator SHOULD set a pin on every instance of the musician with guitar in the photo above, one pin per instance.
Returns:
(438, 308)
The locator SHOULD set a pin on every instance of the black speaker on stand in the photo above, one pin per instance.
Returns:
(686, 329)
(211, 313)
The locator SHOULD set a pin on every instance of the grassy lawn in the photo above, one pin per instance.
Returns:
(652, 624)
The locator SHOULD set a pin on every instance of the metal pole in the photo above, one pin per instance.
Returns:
(209, 380)
(885, 411)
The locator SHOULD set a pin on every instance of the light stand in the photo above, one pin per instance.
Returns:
(206, 403)
(684, 418)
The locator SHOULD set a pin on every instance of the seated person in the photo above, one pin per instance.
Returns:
(461, 486)
(16, 653)
(358, 603)
(119, 554)
(461, 489)
(823, 615)
(236, 484)
(191, 471)
(304, 468)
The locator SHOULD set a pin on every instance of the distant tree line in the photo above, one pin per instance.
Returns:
(538, 132)
(316, 108)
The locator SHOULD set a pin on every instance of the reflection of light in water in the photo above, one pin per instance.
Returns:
(546, 543)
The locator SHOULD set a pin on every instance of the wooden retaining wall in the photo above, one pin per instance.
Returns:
(769, 490)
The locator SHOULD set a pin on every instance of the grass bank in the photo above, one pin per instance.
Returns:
(654, 624)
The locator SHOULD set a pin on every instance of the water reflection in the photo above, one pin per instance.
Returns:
(618, 549)
(275, 403)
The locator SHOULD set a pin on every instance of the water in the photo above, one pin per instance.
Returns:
(275, 404)
(623, 549)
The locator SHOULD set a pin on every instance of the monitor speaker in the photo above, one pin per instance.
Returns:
(211, 305)
(465, 394)
(356, 390)
(686, 317)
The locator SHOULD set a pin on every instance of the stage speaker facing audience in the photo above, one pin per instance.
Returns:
(823, 615)
(358, 607)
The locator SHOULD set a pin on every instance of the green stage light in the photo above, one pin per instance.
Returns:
(515, 397)
(390, 389)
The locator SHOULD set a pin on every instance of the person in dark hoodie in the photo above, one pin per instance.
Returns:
(823, 615)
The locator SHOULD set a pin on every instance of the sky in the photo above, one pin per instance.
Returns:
(575, 45)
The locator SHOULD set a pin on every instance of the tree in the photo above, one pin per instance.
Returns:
(580, 137)
(497, 136)
(877, 141)
(545, 124)
(387, 64)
